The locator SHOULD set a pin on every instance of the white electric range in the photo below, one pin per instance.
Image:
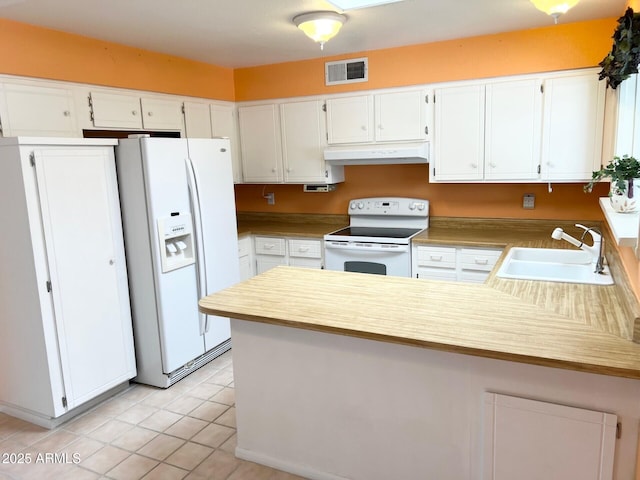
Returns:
(378, 238)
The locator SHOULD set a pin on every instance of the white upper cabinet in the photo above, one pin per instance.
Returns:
(197, 120)
(37, 111)
(488, 132)
(303, 141)
(627, 140)
(260, 143)
(284, 143)
(384, 117)
(400, 116)
(459, 133)
(350, 119)
(117, 110)
(573, 126)
(529, 129)
(513, 122)
(224, 124)
(161, 114)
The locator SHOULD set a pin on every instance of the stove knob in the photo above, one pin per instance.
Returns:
(421, 206)
(412, 206)
(360, 205)
(353, 206)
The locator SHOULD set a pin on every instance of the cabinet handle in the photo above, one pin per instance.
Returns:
(269, 246)
(150, 114)
(134, 112)
(66, 113)
(111, 261)
(436, 258)
(273, 170)
(364, 128)
(492, 165)
(481, 261)
(473, 165)
(303, 249)
(380, 127)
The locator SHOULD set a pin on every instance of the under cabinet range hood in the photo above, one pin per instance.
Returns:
(378, 154)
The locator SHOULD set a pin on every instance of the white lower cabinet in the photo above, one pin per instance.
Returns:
(245, 256)
(532, 440)
(65, 320)
(298, 252)
(453, 263)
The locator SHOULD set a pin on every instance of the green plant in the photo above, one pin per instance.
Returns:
(624, 57)
(620, 170)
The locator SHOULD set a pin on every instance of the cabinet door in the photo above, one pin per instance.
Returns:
(161, 114)
(400, 116)
(532, 440)
(573, 126)
(115, 110)
(38, 111)
(224, 124)
(260, 143)
(459, 133)
(85, 254)
(350, 119)
(303, 134)
(512, 131)
(197, 120)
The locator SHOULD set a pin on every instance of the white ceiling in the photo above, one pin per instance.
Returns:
(242, 33)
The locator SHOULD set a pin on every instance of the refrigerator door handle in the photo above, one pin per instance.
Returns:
(199, 241)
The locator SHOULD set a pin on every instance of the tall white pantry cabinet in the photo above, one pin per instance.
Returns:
(65, 320)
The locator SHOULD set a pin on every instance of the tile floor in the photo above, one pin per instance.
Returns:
(184, 432)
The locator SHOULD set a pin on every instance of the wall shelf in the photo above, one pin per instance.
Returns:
(624, 226)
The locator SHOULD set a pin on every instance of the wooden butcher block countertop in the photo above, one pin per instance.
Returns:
(579, 327)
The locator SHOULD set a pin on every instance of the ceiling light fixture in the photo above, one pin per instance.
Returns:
(555, 8)
(320, 26)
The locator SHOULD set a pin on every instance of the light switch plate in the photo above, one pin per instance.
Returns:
(529, 200)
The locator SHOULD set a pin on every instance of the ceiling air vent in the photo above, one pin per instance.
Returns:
(346, 71)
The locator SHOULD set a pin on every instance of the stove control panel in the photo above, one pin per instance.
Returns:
(391, 206)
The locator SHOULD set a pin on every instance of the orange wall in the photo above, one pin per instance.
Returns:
(557, 47)
(43, 53)
(566, 201)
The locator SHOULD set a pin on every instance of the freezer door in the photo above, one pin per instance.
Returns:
(212, 168)
(176, 290)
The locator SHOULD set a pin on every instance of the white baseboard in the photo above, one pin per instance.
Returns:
(300, 470)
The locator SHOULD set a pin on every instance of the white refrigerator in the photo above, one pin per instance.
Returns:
(178, 210)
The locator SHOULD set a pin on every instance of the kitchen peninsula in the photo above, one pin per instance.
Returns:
(343, 375)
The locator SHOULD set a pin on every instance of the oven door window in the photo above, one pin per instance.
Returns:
(365, 267)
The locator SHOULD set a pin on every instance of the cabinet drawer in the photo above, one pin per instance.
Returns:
(244, 246)
(444, 257)
(478, 259)
(270, 246)
(437, 274)
(305, 248)
(473, 276)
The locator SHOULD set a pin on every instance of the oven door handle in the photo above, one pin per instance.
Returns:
(367, 247)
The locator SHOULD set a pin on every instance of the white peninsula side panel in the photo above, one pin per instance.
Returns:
(327, 406)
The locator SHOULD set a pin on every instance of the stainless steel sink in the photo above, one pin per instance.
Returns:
(553, 265)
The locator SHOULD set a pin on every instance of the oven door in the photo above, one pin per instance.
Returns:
(364, 257)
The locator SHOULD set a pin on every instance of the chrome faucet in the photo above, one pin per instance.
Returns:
(596, 250)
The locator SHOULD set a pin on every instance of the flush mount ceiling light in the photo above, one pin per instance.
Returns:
(555, 8)
(320, 26)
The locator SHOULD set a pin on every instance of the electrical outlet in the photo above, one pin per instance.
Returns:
(271, 198)
(529, 200)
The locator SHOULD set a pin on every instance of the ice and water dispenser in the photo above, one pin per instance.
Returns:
(176, 241)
